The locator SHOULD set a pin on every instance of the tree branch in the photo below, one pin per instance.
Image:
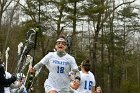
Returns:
(113, 11)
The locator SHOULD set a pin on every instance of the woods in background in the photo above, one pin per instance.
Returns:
(106, 31)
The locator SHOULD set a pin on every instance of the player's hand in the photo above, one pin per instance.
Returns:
(31, 69)
(74, 84)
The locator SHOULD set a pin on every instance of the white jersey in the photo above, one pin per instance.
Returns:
(59, 68)
(7, 75)
(86, 83)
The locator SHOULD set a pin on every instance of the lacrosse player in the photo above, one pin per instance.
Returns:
(59, 64)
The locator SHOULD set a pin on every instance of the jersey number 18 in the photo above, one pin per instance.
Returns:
(60, 69)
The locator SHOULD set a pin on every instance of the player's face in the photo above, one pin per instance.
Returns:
(60, 46)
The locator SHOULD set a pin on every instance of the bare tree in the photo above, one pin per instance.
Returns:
(12, 13)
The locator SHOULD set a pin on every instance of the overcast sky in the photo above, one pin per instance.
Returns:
(120, 1)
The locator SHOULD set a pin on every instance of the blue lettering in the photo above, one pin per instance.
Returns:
(60, 62)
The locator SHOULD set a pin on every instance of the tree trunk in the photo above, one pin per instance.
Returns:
(74, 30)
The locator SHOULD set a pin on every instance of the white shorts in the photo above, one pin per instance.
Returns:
(49, 88)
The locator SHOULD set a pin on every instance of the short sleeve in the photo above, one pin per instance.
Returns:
(45, 60)
(94, 81)
(73, 63)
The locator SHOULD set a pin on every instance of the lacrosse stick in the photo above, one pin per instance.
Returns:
(6, 56)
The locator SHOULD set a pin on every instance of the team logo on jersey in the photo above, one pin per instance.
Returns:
(60, 62)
